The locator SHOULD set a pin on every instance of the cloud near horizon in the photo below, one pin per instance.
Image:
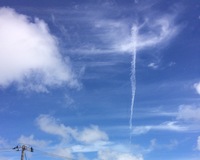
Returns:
(29, 54)
(90, 139)
(105, 150)
(108, 155)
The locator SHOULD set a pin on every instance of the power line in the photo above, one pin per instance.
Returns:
(2, 149)
(6, 149)
(54, 155)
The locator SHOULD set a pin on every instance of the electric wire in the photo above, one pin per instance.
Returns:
(10, 149)
(54, 155)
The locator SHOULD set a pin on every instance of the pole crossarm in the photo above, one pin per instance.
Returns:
(23, 148)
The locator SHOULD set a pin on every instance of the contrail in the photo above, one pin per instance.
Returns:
(134, 32)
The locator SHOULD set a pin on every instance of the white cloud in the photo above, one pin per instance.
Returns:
(50, 125)
(155, 30)
(68, 101)
(167, 126)
(64, 153)
(171, 64)
(153, 65)
(188, 112)
(171, 145)
(160, 30)
(149, 34)
(92, 147)
(81, 157)
(3, 142)
(29, 54)
(90, 139)
(187, 120)
(30, 140)
(88, 135)
(108, 155)
(92, 134)
(197, 87)
(198, 143)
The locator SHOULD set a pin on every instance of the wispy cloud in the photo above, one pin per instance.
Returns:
(29, 54)
(166, 126)
(186, 119)
(3, 142)
(109, 34)
(153, 65)
(151, 33)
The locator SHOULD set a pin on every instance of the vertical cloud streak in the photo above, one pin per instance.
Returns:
(133, 70)
(143, 36)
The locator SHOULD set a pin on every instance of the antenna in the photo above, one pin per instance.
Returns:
(23, 148)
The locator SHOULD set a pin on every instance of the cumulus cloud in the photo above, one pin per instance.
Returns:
(197, 87)
(92, 134)
(29, 54)
(51, 125)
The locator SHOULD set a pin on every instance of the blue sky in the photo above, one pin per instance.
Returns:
(100, 80)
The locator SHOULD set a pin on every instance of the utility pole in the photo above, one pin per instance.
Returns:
(22, 154)
(23, 148)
